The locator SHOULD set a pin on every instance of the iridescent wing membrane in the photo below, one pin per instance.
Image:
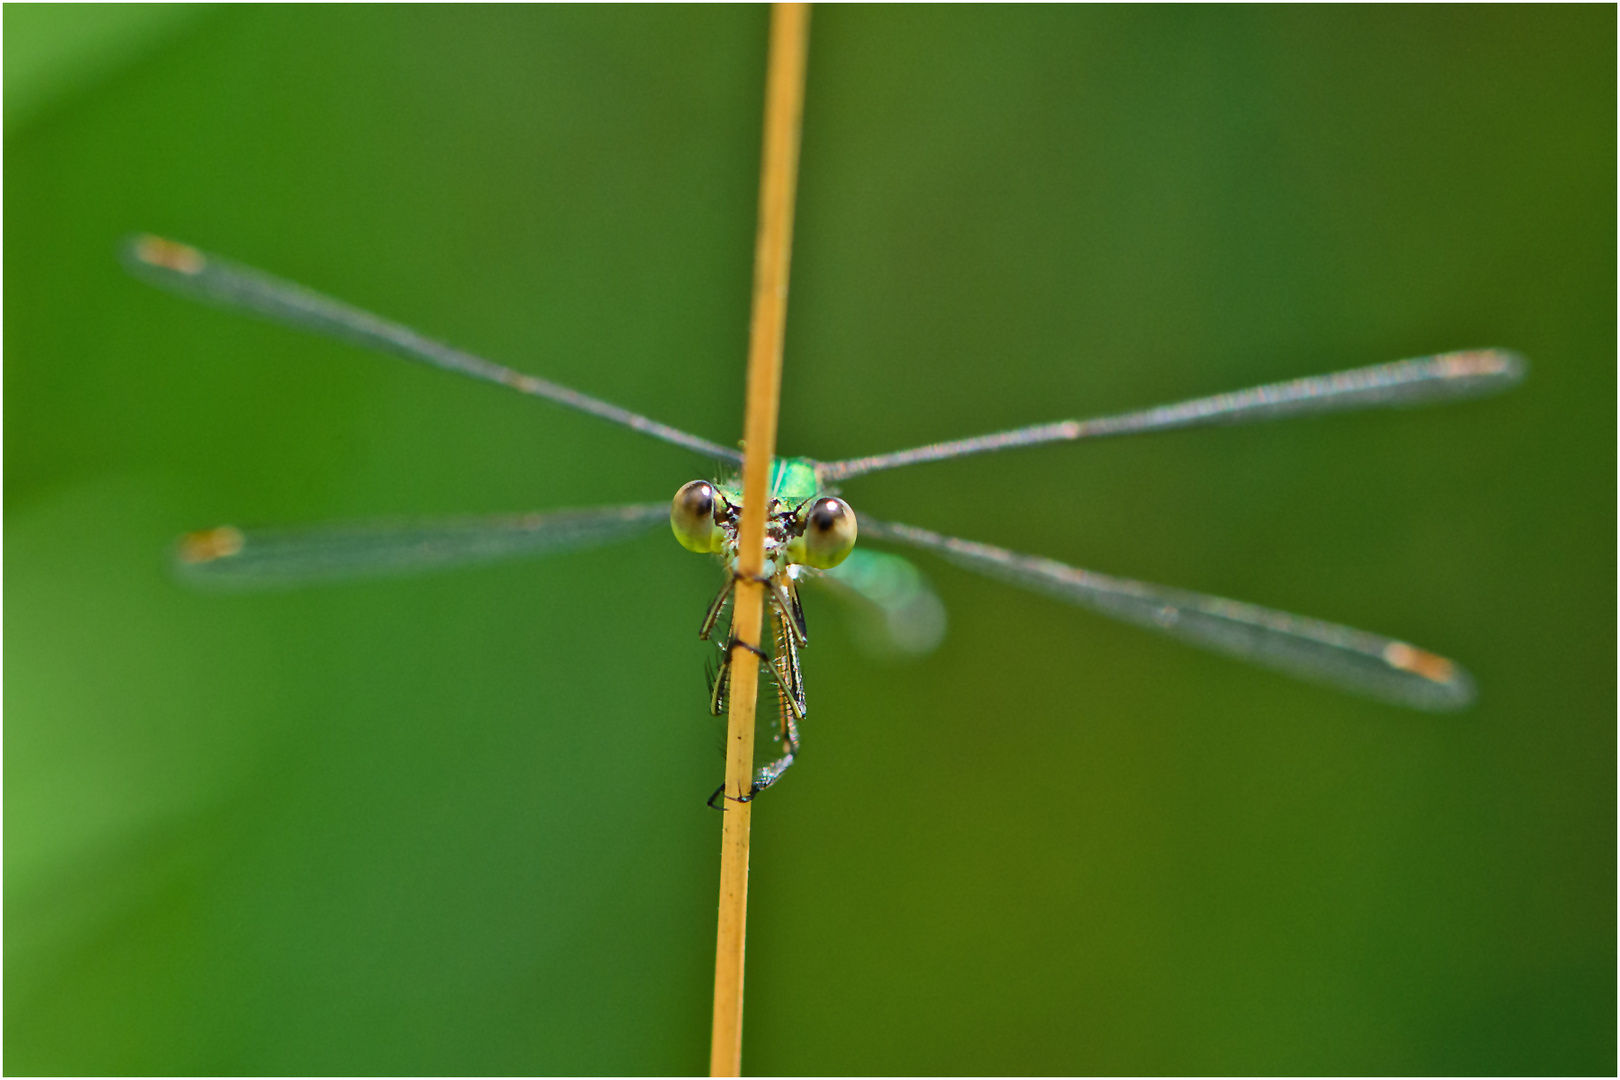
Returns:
(1354, 660)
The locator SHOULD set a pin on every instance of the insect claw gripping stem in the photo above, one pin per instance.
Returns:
(755, 649)
(753, 789)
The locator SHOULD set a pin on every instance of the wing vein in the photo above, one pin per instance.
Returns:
(207, 277)
(1404, 382)
(1354, 660)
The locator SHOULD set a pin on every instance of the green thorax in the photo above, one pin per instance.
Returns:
(793, 480)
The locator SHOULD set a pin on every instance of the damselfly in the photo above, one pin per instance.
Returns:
(811, 530)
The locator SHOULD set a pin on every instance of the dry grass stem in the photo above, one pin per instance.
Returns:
(784, 104)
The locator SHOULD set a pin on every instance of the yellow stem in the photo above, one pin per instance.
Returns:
(784, 104)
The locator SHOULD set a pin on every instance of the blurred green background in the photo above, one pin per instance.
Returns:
(455, 824)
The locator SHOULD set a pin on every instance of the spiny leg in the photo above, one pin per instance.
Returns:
(787, 600)
(785, 596)
(712, 616)
(790, 697)
(790, 705)
(720, 684)
(790, 702)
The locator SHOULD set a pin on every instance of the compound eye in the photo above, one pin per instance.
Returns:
(691, 516)
(829, 532)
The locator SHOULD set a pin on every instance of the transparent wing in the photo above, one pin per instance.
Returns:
(231, 558)
(899, 614)
(1353, 660)
(1405, 382)
(202, 276)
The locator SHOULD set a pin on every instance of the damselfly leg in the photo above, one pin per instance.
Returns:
(787, 626)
